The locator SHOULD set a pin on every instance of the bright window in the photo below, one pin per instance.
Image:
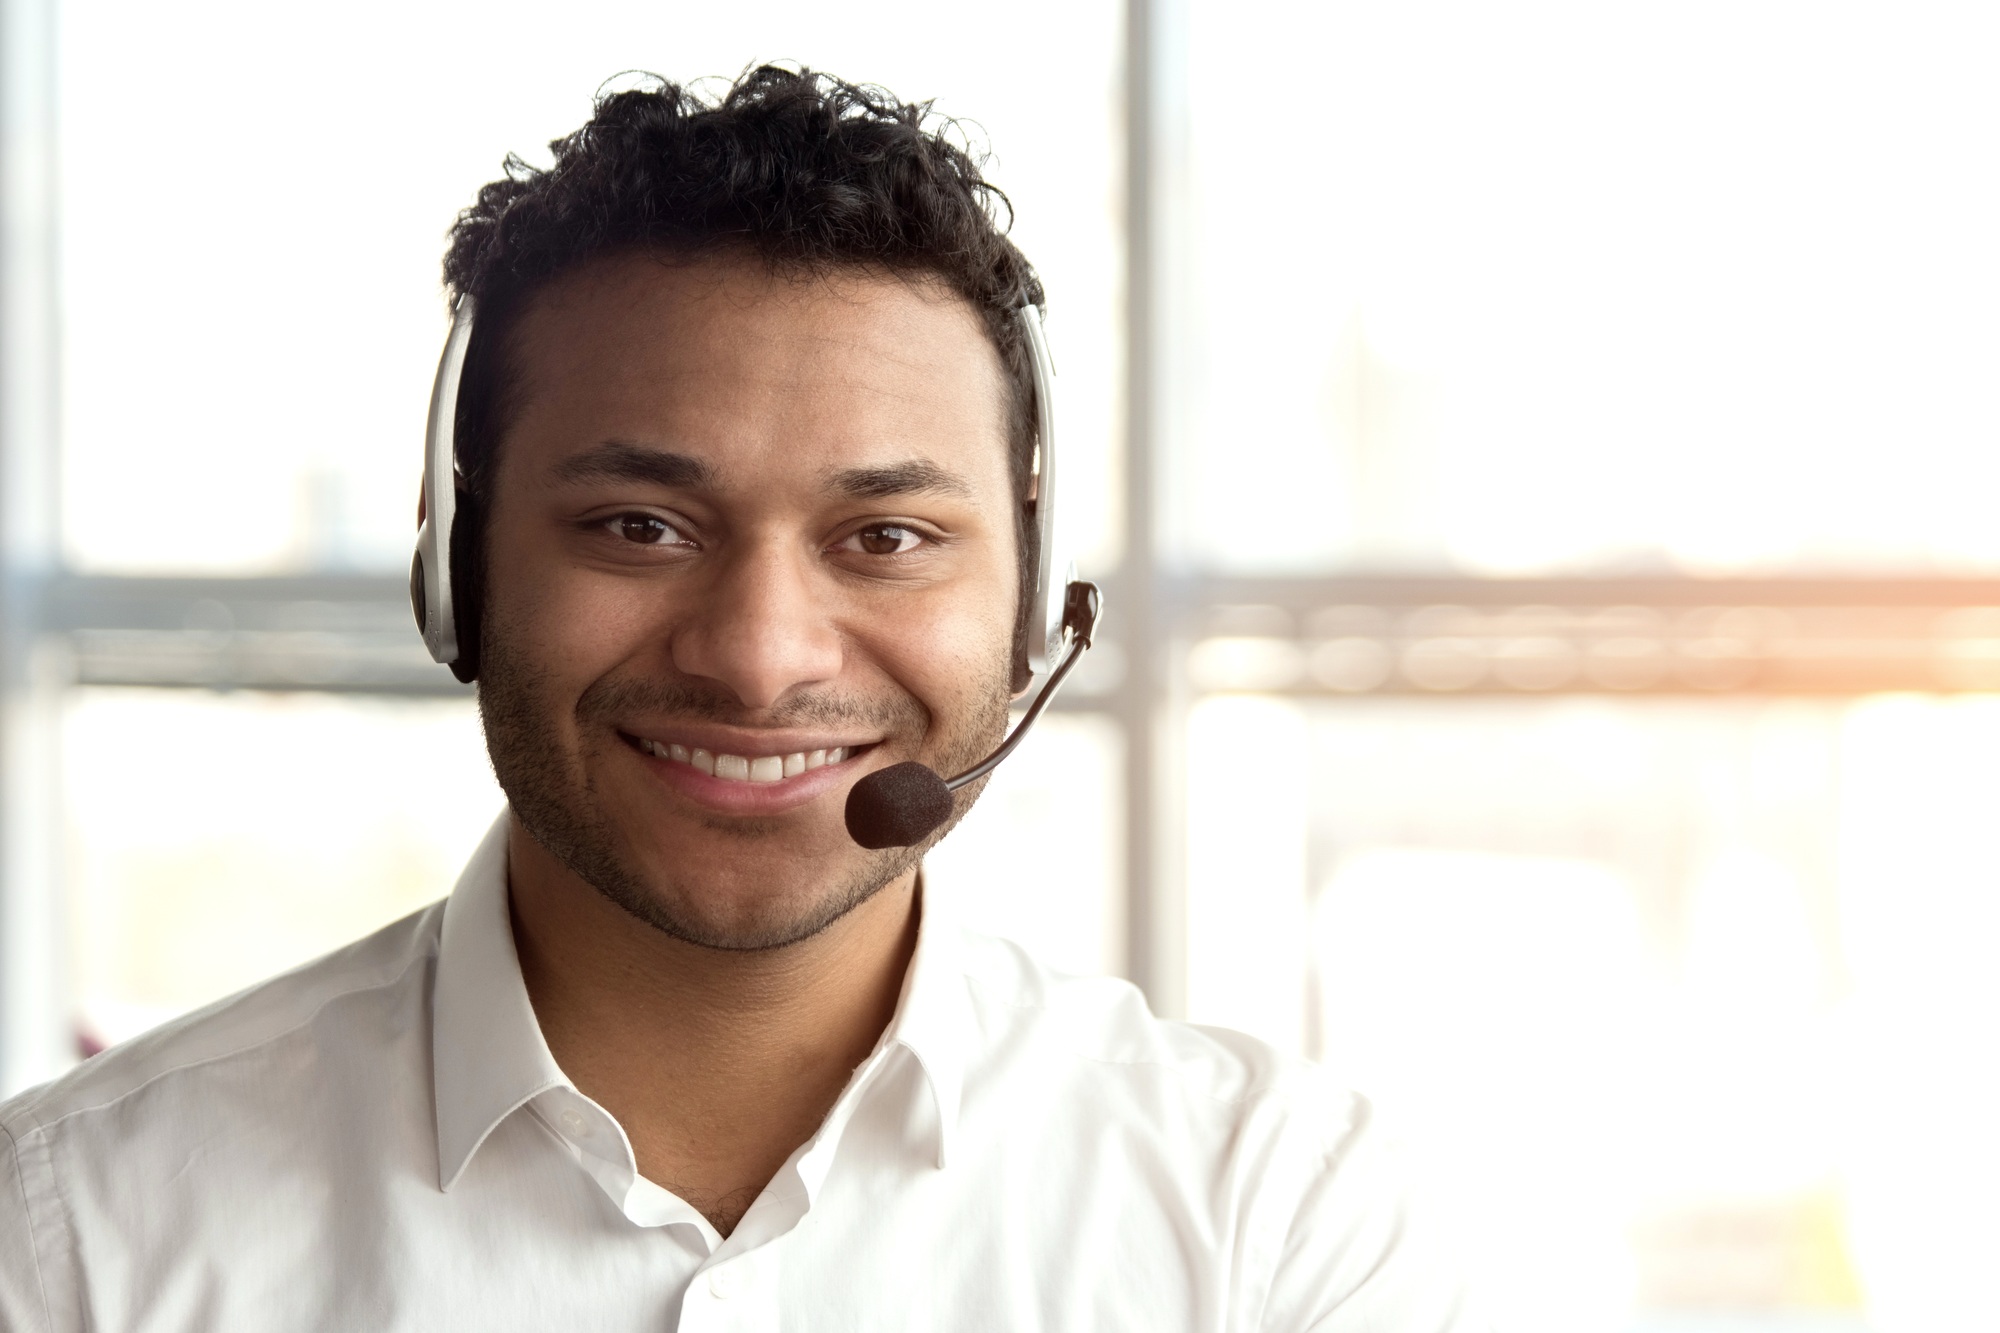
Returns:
(1553, 698)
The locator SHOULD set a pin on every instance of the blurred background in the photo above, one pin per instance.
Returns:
(1541, 457)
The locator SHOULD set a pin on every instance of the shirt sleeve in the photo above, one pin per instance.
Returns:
(24, 1306)
(1367, 1252)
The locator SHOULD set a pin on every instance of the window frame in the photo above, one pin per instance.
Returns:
(348, 633)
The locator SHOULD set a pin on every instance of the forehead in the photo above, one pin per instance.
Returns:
(750, 369)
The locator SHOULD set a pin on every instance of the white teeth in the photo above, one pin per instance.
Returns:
(740, 768)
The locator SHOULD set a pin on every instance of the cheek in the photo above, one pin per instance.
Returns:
(952, 650)
(552, 616)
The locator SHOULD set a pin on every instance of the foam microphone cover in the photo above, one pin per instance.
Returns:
(898, 806)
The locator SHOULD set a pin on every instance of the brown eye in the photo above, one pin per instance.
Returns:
(644, 528)
(886, 539)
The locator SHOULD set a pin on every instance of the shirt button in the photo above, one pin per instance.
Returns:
(722, 1282)
(573, 1124)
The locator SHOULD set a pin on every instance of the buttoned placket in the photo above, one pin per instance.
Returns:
(736, 1288)
(734, 1294)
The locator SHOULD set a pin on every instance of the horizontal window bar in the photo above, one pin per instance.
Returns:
(1313, 636)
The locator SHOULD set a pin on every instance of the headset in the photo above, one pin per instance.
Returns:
(430, 570)
(892, 807)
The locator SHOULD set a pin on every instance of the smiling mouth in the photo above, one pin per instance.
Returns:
(747, 768)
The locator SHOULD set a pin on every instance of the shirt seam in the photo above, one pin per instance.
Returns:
(42, 1127)
(1262, 1089)
(1259, 1092)
(28, 1212)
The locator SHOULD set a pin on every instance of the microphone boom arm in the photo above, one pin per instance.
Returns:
(1078, 595)
(901, 805)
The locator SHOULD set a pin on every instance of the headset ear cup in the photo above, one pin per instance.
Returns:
(1031, 599)
(417, 591)
(468, 582)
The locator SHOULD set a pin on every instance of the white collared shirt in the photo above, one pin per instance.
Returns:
(381, 1140)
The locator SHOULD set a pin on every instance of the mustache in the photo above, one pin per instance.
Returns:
(890, 714)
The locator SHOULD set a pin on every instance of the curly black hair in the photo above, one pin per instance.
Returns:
(807, 171)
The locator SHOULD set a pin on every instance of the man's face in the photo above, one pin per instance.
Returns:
(750, 537)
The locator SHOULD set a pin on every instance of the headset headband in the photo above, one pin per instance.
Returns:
(1052, 572)
(431, 572)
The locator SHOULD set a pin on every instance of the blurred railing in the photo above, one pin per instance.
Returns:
(340, 633)
(1305, 636)
(1617, 636)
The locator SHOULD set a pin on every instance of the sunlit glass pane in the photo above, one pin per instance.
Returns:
(1683, 998)
(246, 372)
(1565, 286)
(217, 839)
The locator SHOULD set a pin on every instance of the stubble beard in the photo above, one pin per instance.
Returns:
(555, 797)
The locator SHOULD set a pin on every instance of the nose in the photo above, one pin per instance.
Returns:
(763, 626)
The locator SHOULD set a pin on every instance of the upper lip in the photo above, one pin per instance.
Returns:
(748, 742)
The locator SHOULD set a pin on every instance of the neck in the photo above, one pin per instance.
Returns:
(717, 1063)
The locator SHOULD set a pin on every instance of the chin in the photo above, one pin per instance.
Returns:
(720, 917)
(726, 895)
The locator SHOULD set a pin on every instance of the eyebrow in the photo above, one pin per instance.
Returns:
(916, 477)
(621, 460)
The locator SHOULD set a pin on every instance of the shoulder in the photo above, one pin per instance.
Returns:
(1102, 1032)
(170, 1143)
(1265, 1162)
(210, 1043)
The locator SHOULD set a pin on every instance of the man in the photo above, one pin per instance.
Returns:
(743, 444)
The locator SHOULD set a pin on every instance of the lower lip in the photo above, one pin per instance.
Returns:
(747, 798)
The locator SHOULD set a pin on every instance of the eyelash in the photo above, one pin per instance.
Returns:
(620, 528)
(620, 525)
(860, 533)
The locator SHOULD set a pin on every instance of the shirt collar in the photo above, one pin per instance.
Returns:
(934, 1013)
(489, 1056)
